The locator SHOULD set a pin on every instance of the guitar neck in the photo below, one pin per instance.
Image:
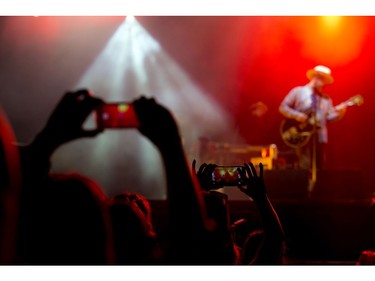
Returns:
(356, 100)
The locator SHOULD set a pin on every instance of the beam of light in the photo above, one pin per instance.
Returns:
(134, 64)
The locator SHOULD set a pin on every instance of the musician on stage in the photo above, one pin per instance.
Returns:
(309, 105)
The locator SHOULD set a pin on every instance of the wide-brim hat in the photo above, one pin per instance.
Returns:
(322, 72)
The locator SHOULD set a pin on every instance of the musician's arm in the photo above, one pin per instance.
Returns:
(286, 109)
(336, 112)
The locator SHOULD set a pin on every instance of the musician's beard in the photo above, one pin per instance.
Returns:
(317, 85)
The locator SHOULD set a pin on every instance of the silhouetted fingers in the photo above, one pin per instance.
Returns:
(201, 168)
(248, 171)
(209, 169)
(261, 170)
(78, 95)
(242, 172)
(253, 170)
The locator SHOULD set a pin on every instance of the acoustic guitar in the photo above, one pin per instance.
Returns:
(297, 134)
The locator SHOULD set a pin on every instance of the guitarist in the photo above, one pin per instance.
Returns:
(312, 108)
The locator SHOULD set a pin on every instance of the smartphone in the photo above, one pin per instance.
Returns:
(227, 176)
(116, 115)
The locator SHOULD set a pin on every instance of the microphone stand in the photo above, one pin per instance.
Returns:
(314, 147)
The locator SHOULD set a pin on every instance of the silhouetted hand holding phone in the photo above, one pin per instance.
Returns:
(255, 187)
(64, 125)
(187, 213)
(65, 122)
(204, 175)
(156, 122)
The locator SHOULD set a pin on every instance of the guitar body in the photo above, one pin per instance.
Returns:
(295, 134)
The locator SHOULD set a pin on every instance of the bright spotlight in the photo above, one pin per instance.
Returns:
(130, 19)
(134, 64)
(331, 22)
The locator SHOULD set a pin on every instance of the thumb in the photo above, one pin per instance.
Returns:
(91, 133)
(193, 165)
(241, 188)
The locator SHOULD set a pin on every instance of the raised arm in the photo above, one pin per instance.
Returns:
(10, 187)
(188, 219)
(271, 249)
(64, 125)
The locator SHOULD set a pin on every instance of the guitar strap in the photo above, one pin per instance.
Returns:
(315, 99)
